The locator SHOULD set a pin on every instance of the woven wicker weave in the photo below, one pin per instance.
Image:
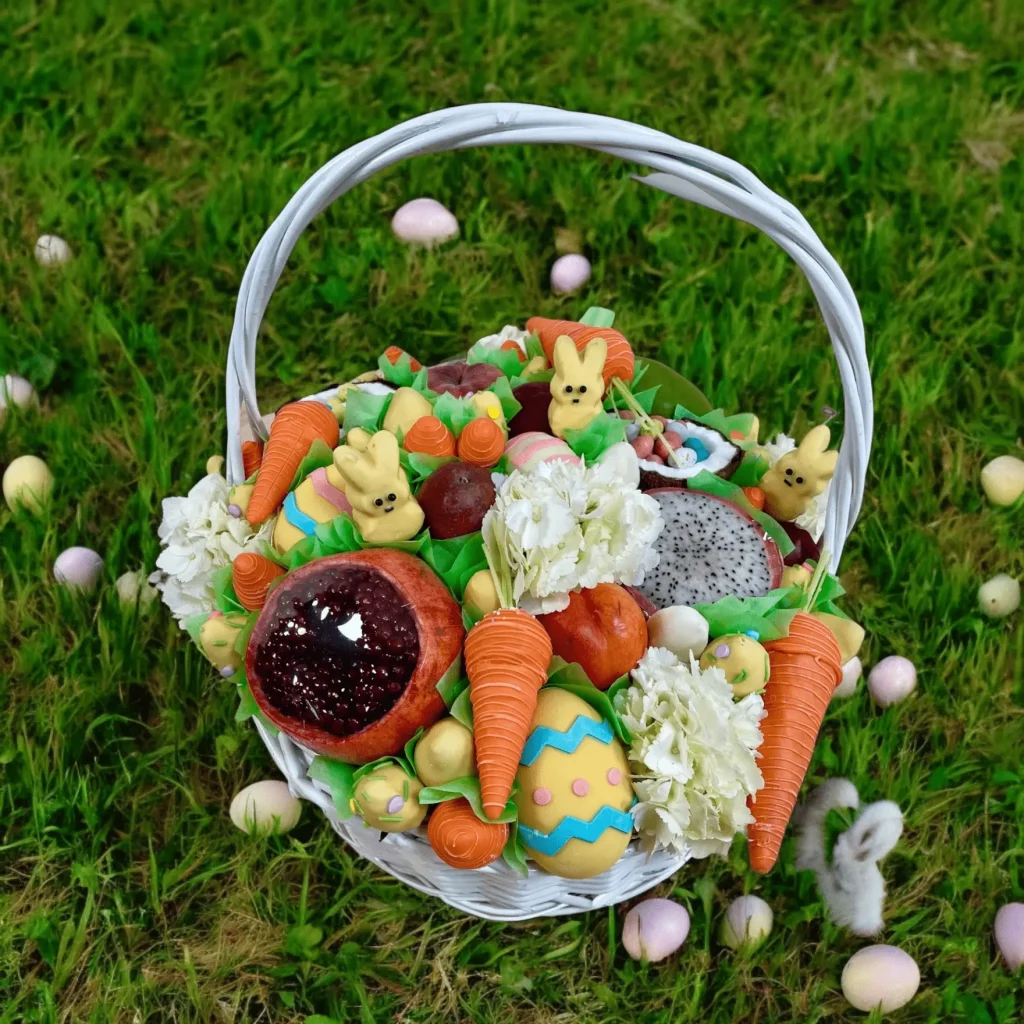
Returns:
(679, 168)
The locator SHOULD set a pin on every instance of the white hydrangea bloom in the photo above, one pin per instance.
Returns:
(563, 526)
(813, 520)
(507, 333)
(199, 536)
(693, 754)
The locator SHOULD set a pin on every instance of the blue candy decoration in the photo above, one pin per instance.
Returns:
(753, 634)
(696, 445)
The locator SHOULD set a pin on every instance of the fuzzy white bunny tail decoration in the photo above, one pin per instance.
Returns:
(852, 884)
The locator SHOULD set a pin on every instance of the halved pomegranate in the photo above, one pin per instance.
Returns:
(347, 651)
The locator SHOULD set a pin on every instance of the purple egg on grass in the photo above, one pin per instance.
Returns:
(1009, 931)
(891, 680)
(569, 273)
(654, 929)
(78, 569)
(425, 222)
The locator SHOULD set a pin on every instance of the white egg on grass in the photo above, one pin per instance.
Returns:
(852, 671)
(882, 977)
(999, 597)
(15, 391)
(1003, 480)
(265, 807)
(1009, 933)
(654, 929)
(747, 922)
(133, 589)
(52, 251)
(569, 273)
(78, 569)
(892, 680)
(424, 221)
(27, 484)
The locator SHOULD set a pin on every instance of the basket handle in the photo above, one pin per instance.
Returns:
(680, 168)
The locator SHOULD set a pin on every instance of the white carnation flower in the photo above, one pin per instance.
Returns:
(564, 526)
(813, 520)
(199, 536)
(693, 754)
(507, 333)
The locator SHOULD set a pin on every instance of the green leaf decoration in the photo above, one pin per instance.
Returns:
(462, 708)
(506, 360)
(750, 471)
(456, 560)
(223, 586)
(529, 378)
(468, 787)
(194, 623)
(401, 374)
(470, 616)
(338, 536)
(339, 778)
(448, 685)
(409, 750)
(454, 412)
(320, 455)
(768, 616)
(711, 484)
(645, 399)
(509, 405)
(534, 348)
(674, 388)
(365, 410)
(247, 706)
(571, 677)
(739, 423)
(596, 437)
(418, 466)
(638, 375)
(597, 316)
(514, 853)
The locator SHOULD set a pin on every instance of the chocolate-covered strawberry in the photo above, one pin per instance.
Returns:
(347, 652)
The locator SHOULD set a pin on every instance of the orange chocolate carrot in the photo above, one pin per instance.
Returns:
(619, 361)
(461, 839)
(252, 575)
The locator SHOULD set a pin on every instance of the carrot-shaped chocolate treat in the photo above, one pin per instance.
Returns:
(506, 658)
(482, 442)
(805, 669)
(429, 436)
(252, 457)
(393, 353)
(251, 575)
(461, 839)
(619, 360)
(294, 429)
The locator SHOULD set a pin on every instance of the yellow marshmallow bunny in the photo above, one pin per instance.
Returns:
(375, 483)
(799, 476)
(577, 387)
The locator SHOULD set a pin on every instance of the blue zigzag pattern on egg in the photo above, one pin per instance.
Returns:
(567, 742)
(550, 843)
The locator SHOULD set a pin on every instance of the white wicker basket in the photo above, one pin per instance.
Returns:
(680, 168)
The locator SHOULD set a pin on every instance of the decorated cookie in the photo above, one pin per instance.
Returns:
(388, 799)
(799, 476)
(574, 789)
(444, 752)
(527, 451)
(406, 406)
(743, 660)
(318, 499)
(376, 485)
(577, 388)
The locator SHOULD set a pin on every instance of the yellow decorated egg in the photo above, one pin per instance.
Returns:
(574, 789)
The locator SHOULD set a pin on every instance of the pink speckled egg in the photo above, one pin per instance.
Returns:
(569, 273)
(424, 222)
(78, 569)
(891, 680)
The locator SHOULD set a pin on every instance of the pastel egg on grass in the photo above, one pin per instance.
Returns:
(891, 680)
(1009, 933)
(747, 922)
(78, 569)
(27, 484)
(654, 929)
(265, 807)
(883, 977)
(569, 273)
(52, 251)
(16, 392)
(999, 597)
(425, 222)
(134, 589)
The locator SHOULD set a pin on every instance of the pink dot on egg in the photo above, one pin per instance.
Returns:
(722, 651)
(542, 796)
(614, 776)
(395, 804)
(580, 787)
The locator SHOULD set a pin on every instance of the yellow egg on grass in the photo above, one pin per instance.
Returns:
(265, 807)
(27, 484)
(574, 791)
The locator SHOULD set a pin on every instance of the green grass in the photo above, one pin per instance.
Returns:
(161, 139)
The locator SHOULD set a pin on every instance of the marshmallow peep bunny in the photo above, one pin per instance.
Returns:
(577, 388)
(799, 476)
